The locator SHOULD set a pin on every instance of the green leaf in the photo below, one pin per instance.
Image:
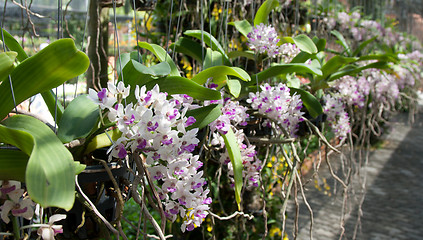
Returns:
(247, 54)
(78, 120)
(210, 41)
(234, 87)
(302, 57)
(79, 167)
(279, 69)
(244, 27)
(320, 43)
(304, 43)
(50, 170)
(352, 70)
(102, 140)
(234, 152)
(136, 73)
(335, 63)
(213, 58)
(309, 101)
(263, 12)
(220, 71)
(161, 54)
(363, 45)
(204, 115)
(13, 45)
(342, 41)
(13, 164)
(7, 60)
(49, 68)
(189, 47)
(180, 85)
(380, 57)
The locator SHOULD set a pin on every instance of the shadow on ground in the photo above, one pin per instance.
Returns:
(393, 204)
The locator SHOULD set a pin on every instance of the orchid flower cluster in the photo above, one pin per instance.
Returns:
(158, 128)
(19, 205)
(354, 91)
(234, 115)
(407, 76)
(361, 29)
(384, 86)
(277, 104)
(264, 39)
(337, 117)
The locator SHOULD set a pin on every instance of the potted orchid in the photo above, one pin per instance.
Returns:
(155, 136)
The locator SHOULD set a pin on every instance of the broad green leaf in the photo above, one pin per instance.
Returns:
(320, 43)
(103, 140)
(234, 87)
(210, 41)
(49, 68)
(204, 115)
(13, 165)
(78, 120)
(303, 42)
(335, 63)
(13, 45)
(161, 54)
(302, 57)
(219, 71)
(309, 101)
(189, 47)
(136, 73)
(247, 54)
(234, 152)
(213, 58)
(180, 85)
(352, 71)
(244, 27)
(79, 167)
(50, 170)
(7, 60)
(263, 12)
(363, 45)
(342, 41)
(279, 69)
(380, 57)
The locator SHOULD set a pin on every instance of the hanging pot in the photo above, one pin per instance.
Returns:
(97, 185)
(143, 5)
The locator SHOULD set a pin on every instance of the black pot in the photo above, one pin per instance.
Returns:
(143, 5)
(96, 184)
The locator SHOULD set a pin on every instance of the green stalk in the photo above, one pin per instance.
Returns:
(16, 230)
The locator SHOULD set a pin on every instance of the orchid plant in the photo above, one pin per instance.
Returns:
(167, 129)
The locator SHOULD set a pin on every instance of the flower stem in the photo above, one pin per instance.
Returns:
(16, 230)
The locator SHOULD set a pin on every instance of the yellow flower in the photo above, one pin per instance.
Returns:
(216, 11)
(275, 231)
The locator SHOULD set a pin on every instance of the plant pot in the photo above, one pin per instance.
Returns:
(143, 5)
(96, 184)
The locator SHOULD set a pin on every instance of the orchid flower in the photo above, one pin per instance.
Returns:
(48, 231)
(19, 207)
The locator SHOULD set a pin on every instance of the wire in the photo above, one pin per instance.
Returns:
(4, 49)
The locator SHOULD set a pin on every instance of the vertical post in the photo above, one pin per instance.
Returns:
(98, 32)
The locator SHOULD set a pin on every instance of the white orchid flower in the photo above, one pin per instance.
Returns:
(48, 231)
